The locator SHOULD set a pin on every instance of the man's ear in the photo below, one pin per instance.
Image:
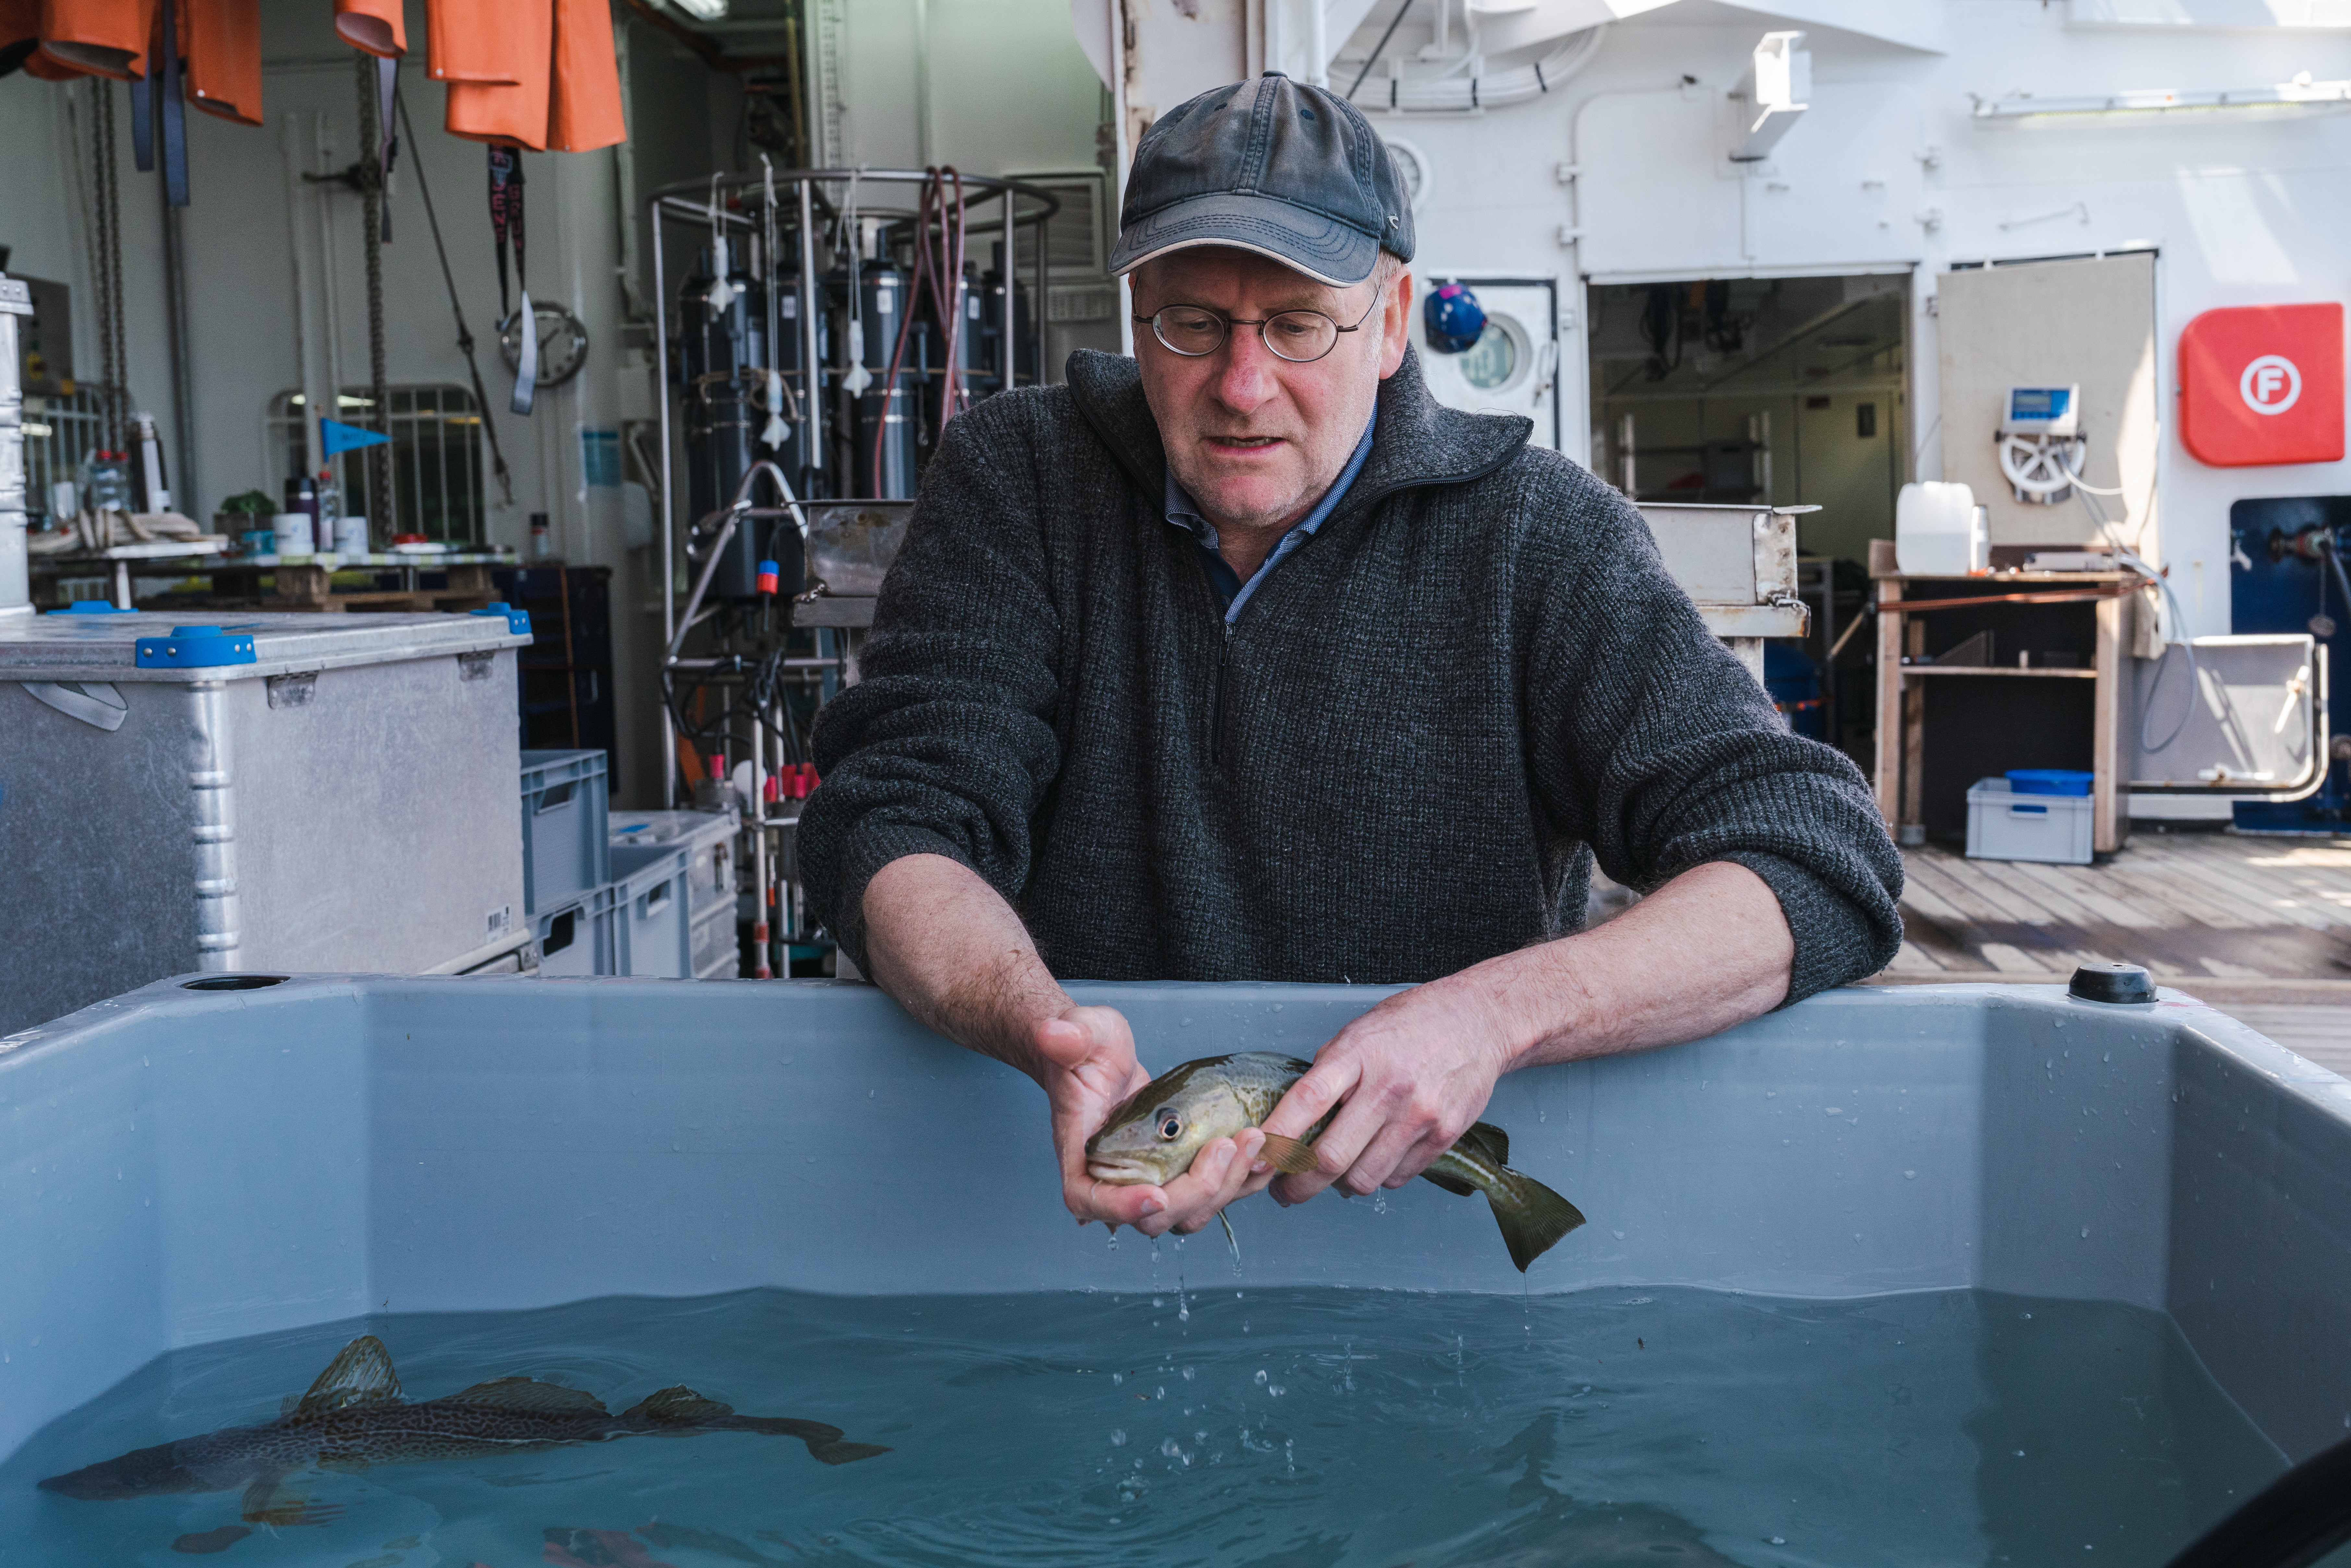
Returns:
(1396, 324)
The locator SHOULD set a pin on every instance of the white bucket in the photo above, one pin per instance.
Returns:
(1940, 531)
(293, 531)
(350, 536)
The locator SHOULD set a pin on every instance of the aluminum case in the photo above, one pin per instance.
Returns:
(346, 801)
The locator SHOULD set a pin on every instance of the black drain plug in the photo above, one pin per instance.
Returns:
(2112, 983)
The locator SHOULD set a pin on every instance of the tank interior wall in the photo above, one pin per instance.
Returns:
(193, 1167)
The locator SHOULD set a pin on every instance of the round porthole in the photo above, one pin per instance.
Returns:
(1412, 164)
(1499, 358)
(233, 982)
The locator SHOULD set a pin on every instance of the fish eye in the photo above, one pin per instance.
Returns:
(1170, 1126)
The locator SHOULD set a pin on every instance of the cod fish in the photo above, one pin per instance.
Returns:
(1154, 1135)
(354, 1417)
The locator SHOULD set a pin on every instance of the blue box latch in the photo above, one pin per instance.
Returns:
(195, 648)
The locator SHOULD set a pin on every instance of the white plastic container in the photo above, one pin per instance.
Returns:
(293, 531)
(1940, 531)
(2005, 826)
(350, 536)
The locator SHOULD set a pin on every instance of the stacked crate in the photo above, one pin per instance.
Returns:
(696, 849)
(566, 863)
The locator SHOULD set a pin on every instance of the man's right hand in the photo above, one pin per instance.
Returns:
(1086, 1065)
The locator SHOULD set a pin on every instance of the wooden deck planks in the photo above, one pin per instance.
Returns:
(2189, 906)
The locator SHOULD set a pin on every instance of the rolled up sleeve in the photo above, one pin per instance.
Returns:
(1650, 741)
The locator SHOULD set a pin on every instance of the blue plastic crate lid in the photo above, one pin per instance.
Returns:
(2048, 781)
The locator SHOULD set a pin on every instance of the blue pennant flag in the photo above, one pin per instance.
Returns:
(342, 437)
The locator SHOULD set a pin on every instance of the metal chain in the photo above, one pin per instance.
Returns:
(379, 458)
(108, 264)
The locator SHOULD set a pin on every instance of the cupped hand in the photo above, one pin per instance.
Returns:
(1086, 1065)
(1409, 1077)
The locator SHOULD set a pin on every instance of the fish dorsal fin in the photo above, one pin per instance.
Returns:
(527, 1394)
(361, 1374)
(679, 1407)
(1492, 1139)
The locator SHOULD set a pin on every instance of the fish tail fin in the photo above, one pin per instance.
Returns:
(1532, 1216)
(824, 1443)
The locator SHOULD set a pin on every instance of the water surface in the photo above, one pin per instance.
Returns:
(1213, 1424)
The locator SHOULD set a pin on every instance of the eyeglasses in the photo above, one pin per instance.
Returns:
(1301, 337)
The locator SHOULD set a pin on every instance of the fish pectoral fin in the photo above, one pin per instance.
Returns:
(527, 1394)
(361, 1374)
(845, 1453)
(1286, 1155)
(678, 1407)
(1486, 1136)
(267, 1503)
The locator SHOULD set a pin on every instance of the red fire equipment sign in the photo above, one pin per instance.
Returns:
(2262, 384)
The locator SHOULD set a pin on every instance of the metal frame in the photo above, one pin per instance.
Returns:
(691, 200)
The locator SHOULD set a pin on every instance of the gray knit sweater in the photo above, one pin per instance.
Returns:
(1389, 769)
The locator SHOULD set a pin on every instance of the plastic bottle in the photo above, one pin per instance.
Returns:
(105, 482)
(302, 495)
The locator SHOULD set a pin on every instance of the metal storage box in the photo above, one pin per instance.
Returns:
(494, 1145)
(340, 796)
(565, 803)
(2003, 825)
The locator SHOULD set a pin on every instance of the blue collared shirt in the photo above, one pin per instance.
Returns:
(1185, 514)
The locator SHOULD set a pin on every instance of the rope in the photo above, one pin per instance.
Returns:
(379, 458)
(464, 334)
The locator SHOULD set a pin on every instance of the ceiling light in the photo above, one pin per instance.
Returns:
(704, 10)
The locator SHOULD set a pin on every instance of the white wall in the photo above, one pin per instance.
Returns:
(2245, 212)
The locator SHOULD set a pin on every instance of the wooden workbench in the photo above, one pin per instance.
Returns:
(1902, 687)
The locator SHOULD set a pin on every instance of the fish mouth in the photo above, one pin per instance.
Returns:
(1121, 1172)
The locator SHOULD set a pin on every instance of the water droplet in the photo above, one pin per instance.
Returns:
(1275, 1389)
(1168, 1448)
(2086, 1233)
(1779, 1541)
(1161, 1392)
(1289, 1451)
(1116, 1378)
(1379, 1202)
(1118, 1438)
(1187, 1375)
(1909, 1176)
(1260, 1383)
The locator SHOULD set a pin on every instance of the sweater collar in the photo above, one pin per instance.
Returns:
(1416, 440)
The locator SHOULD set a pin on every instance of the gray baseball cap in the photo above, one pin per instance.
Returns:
(1277, 167)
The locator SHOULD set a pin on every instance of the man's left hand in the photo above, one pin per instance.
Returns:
(1409, 1077)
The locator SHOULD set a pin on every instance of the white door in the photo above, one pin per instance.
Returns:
(1514, 366)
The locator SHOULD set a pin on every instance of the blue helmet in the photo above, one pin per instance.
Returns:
(1454, 318)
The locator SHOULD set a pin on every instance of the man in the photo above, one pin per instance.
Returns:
(1244, 660)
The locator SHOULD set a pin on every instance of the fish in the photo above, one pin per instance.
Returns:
(354, 1417)
(1154, 1135)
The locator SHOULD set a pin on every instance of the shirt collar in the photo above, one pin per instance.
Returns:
(1184, 513)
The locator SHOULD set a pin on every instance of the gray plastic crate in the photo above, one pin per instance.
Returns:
(649, 912)
(565, 808)
(717, 951)
(579, 937)
(706, 837)
(2005, 826)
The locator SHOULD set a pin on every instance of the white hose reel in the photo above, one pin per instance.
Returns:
(2041, 446)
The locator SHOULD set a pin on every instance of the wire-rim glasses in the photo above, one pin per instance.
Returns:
(1300, 336)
